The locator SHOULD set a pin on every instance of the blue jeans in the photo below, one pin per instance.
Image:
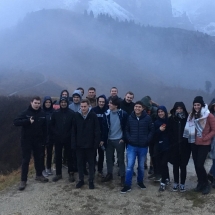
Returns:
(132, 153)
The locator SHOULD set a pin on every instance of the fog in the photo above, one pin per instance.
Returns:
(55, 44)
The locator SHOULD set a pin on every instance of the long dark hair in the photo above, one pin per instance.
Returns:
(195, 114)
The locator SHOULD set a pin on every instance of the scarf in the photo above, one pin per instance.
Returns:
(180, 115)
(194, 127)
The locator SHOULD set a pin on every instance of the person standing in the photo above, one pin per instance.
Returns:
(199, 129)
(180, 149)
(86, 137)
(139, 132)
(127, 105)
(61, 126)
(48, 146)
(114, 122)
(100, 110)
(76, 101)
(33, 135)
(92, 97)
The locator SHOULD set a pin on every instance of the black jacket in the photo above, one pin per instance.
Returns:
(86, 132)
(127, 107)
(180, 149)
(139, 132)
(35, 131)
(61, 125)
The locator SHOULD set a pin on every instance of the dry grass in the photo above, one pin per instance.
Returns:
(12, 178)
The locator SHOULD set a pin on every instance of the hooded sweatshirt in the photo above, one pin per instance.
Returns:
(151, 110)
(76, 106)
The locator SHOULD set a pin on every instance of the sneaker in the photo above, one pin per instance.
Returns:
(141, 185)
(71, 177)
(157, 178)
(56, 178)
(22, 185)
(100, 174)
(41, 178)
(210, 178)
(167, 182)
(162, 187)
(151, 177)
(91, 185)
(49, 171)
(122, 183)
(79, 184)
(108, 177)
(151, 170)
(206, 189)
(44, 173)
(182, 188)
(175, 187)
(125, 189)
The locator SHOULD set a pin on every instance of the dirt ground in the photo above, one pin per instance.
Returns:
(62, 198)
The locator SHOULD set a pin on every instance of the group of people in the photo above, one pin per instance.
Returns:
(78, 129)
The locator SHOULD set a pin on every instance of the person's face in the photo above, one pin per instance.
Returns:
(138, 109)
(35, 104)
(113, 92)
(63, 104)
(161, 114)
(129, 98)
(101, 102)
(84, 108)
(47, 103)
(112, 107)
(76, 99)
(197, 107)
(91, 93)
(179, 110)
(64, 94)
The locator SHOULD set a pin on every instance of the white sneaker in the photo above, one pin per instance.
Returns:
(44, 173)
(49, 172)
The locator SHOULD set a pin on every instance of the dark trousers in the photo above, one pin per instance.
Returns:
(101, 159)
(199, 153)
(162, 165)
(183, 169)
(82, 156)
(58, 156)
(27, 149)
(47, 151)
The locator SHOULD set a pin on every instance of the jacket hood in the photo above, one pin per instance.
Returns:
(44, 100)
(176, 105)
(79, 111)
(77, 92)
(106, 101)
(210, 106)
(163, 108)
(146, 102)
(64, 91)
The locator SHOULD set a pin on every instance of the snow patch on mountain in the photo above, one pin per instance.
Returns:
(109, 7)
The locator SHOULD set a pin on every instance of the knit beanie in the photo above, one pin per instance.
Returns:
(199, 99)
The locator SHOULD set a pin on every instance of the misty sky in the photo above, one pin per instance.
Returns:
(13, 11)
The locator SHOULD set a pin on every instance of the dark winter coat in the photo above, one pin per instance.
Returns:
(35, 131)
(161, 137)
(123, 116)
(61, 125)
(127, 107)
(180, 149)
(86, 132)
(100, 111)
(139, 132)
(48, 112)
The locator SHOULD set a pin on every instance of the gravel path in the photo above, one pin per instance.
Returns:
(62, 198)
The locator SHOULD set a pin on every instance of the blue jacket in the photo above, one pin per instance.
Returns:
(123, 116)
(139, 132)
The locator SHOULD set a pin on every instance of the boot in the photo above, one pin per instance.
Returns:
(41, 178)
(108, 177)
(22, 185)
(56, 178)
